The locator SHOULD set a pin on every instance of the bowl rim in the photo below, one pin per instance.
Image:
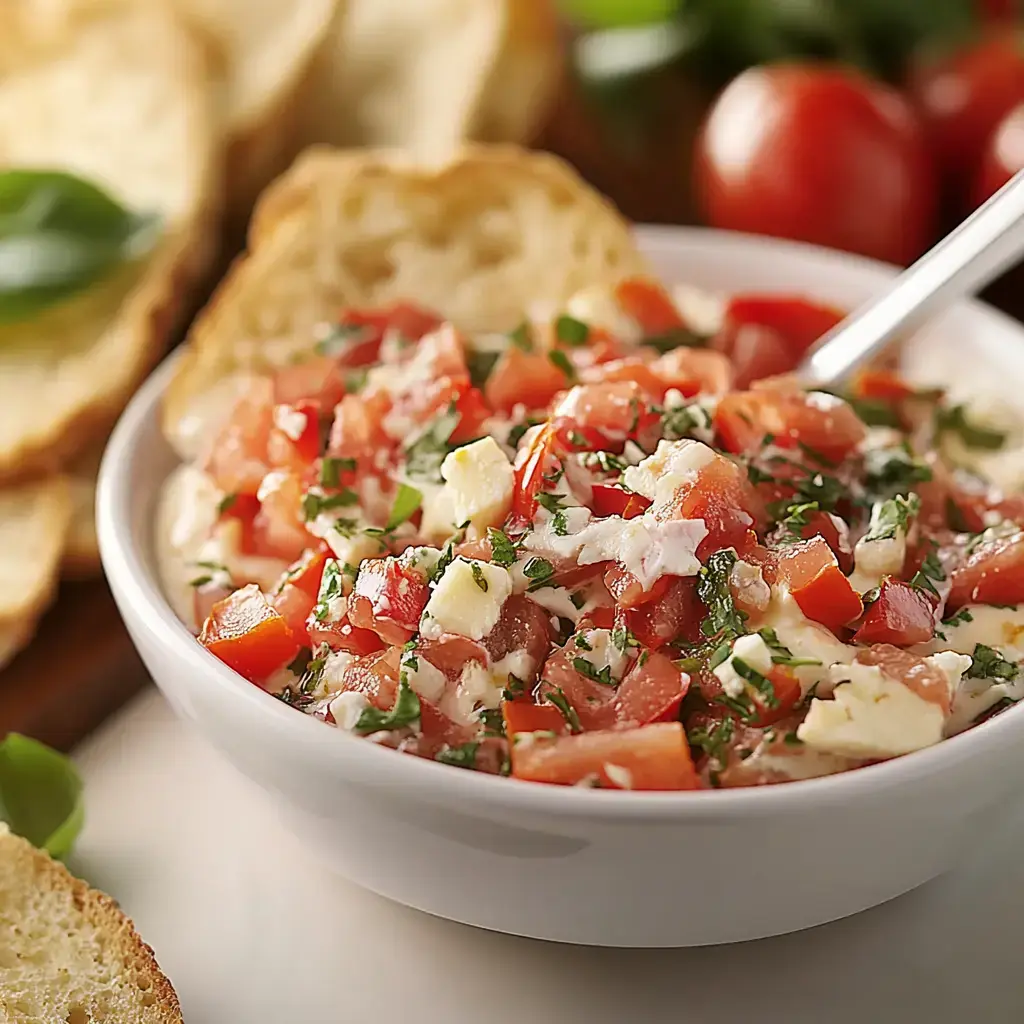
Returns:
(136, 588)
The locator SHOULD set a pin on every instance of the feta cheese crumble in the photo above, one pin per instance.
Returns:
(466, 600)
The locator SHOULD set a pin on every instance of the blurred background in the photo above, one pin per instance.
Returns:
(137, 135)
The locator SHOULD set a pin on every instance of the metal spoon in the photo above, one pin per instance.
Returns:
(990, 241)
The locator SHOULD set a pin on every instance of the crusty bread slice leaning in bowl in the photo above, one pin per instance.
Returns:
(481, 239)
(117, 93)
(68, 953)
(264, 50)
(429, 75)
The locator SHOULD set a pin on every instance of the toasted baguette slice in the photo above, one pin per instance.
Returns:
(117, 93)
(68, 953)
(427, 76)
(81, 559)
(265, 50)
(481, 240)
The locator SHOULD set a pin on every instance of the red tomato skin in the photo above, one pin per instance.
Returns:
(656, 757)
(964, 95)
(1002, 159)
(530, 466)
(522, 626)
(528, 377)
(678, 612)
(593, 702)
(296, 453)
(247, 634)
(389, 599)
(992, 574)
(787, 693)
(611, 500)
(318, 380)
(343, 636)
(236, 456)
(651, 691)
(279, 528)
(525, 716)
(817, 583)
(648, 303)
(754, 351)
(615, 410)
(902, 615)
(783, 142)
(799, 321)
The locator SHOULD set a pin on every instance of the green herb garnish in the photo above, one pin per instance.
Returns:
(557, 697)
(503, 552)
(561, 360)
(459, 757)
(407, 501)
(571, 331)
(988, 663)
(406, 711)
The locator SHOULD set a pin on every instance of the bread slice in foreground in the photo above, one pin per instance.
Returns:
(427, 76)
(67, 952)
(116, 93)
(81, 558)
(481, 239)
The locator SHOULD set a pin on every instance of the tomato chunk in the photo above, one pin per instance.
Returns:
(237, 454)
(817, 583)
(677, 613)
(527, 377)
(294, 441)
(532, 462)
(245, 632)
(914, 672)
(615, 411)
(901, 615)
(800, 322)
(992, 574)
(388, 598)
(649, 305)
(524, 716)
(651, 691)
(654, 757)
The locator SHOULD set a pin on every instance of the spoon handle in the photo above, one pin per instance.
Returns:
(975, 253)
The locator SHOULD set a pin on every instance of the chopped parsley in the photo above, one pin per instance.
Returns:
(961, 618)
(480, 365)
(355, 381)
(297, 666)
(606, 462)
(503, 551)
(515, 687)
(684, 421)
(551, 502)
(676, 337)
(582, 643)
(953, 419)
(571, 331)
(759, 682)
(340, 337)
(557, 697)
(214, 569)
(424, 456)
(724, 618)
(406, 711)
(407, 501)
(332, 587)
(589, 670)
(561, 360)
(713, 739)
(623, 639)
(891, 516)
(331, 470)
(493, 721)
(889, 471)
(539, 571)
(781, 654)
(522, 337)
(226, 503)
(313, 504)
(478, 576)
(988, 663)
(459, 757)
(795, 519)
(930, 573)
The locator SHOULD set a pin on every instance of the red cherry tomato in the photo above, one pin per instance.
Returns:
(800, 322)
(963, 95)
(1003, 157)
(992, 574)
(820, 154)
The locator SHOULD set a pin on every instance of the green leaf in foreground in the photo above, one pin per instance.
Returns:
(59, 235)
(40, 794)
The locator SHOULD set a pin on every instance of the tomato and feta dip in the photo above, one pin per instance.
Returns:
(617, 548)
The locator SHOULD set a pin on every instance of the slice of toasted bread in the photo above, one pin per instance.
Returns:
(81, 559)
(117, 93)
(481, 240)
(264, 51)
(429, 75)
(67, 952)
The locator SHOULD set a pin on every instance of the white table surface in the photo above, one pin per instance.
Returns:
(249, 934)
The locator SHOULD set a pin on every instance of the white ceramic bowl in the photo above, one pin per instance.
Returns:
(591, 866)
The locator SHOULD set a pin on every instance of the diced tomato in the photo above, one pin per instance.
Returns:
(637, 368)
(629, 592)
(616, 410)
(914, 672)
(648, 303)
(678, 612)
(340, 635)
(652, 757)
(800, 322)
(817, 583)
(279, 528)
(787, 696)
(318, 380)
(358, 431)
(243, 509)
(723, 497)
(692, 371)
(437, 730)
(651, 691)
(593, 701)
(524, 716)
(473, 410)
(523, 377)
(522, 626)
(411, 322)
(299, 452)
(881, 385)
(451, 654)
(754, 352)
(245, 632)
(388, 598)
(237, 454)
(295, 598)
(821, 422)
(614, 500)
(375, 675)
(834, 532)
(901, 615)
(532, 462)
(203, 600)
(992, 573)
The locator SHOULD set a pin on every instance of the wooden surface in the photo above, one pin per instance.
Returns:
(79, 669)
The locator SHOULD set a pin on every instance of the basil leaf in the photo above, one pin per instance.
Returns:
(405, 711)
(407, 500)
(58, 236)
(40, 794)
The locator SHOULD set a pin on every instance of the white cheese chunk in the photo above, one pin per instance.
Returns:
(427, 680)
(346, 536)
(870, 716)
(877, 556)
(597, 306)
(702, 311)
(558, 535)
(290, 421)
(597, 647)
(673, 464)
(751, 650)
(467, 599)
(476, 689)
(438, 521)
(336, 664)
(480, 480)
(558, 601)
(347, 709)
(748, 582)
